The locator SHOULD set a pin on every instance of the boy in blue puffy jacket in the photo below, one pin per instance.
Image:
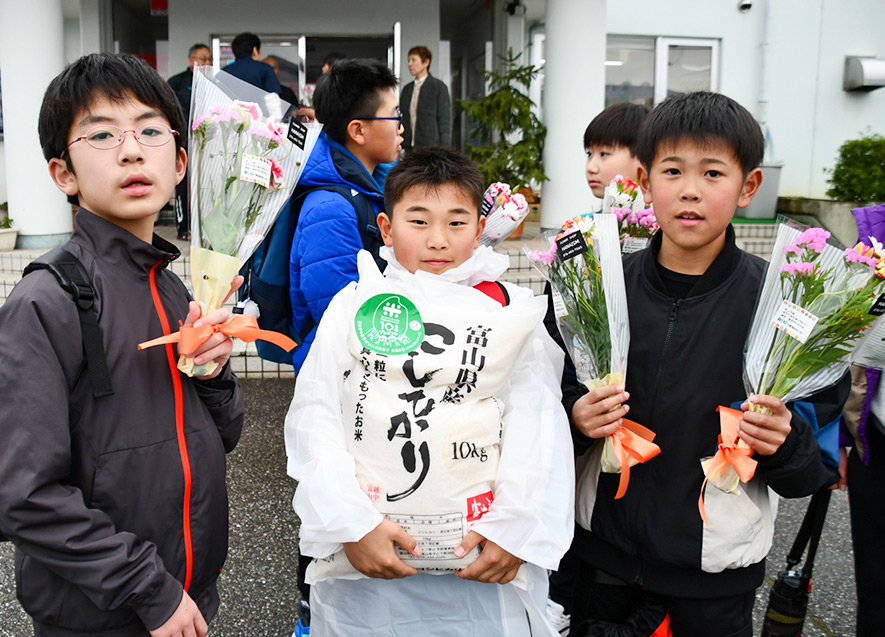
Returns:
(357, 104)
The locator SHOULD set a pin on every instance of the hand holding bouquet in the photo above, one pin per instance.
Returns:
(583, 265)
(623, 198)
(816, 304)
(245, 166)
(503, 211)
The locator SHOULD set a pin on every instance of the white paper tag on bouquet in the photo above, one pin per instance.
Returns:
(795, 321)
(634, 244)
(559, 308)
(256, 170)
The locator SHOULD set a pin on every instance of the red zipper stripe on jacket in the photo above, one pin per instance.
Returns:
(179, 427)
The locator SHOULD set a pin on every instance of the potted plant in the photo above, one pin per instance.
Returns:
(8, 233)
(511, 135)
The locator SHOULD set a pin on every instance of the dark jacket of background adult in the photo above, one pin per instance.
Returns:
(433, 124)
(256, 73)
(182, 84)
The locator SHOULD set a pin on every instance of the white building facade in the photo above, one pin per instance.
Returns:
(783, 60)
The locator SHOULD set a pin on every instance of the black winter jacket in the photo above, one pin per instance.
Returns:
(686, 358)
(113, 503)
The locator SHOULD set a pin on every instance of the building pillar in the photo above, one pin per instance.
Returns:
(574, 93)
(39, 209)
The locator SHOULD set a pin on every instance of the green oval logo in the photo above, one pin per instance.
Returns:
(389, 324)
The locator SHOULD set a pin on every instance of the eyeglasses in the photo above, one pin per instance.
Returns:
(106, 137)
(204, 61)
(398, 118)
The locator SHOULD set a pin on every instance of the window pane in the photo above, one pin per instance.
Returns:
(689, 68)
(629, 70)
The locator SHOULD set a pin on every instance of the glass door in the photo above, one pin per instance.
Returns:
(683, 65)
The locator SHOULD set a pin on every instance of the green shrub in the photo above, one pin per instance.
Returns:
(860, 173)
(511, 135)
(5, 223)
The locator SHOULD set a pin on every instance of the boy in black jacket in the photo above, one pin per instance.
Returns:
(117, 504)
(691, 298)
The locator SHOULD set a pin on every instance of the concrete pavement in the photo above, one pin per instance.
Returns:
(259, 596)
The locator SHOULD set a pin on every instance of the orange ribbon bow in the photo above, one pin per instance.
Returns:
(241, 326)
(729, 454)
(635, 440)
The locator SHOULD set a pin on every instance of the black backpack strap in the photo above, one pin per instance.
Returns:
(810, 532)
(73, 278)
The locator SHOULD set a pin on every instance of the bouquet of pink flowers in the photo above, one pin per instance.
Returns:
(816, 304)
(503, 211)
(307, 95)
(244, 166)
(623, 198)
(582, 262)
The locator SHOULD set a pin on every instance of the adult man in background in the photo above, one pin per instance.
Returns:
(427, 115)
(182, 84)
(248, 65)
(285, 92)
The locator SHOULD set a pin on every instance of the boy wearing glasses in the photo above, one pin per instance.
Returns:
(117, 503)
(362, 132)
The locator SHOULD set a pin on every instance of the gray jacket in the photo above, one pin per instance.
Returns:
(113, 503)
(434, 121)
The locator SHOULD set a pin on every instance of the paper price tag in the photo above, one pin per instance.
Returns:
(297, 133)
(795, 321)
(571, 245)
(256, 170)
(559, 308)
(634, 244)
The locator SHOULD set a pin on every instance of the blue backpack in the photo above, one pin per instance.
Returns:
(267, 270)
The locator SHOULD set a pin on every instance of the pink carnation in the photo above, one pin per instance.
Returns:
(248, 107)
(276, 174)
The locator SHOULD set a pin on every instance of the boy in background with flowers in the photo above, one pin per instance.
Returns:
(609, 141)
(116, 503)
(458, 436)
(691, 298)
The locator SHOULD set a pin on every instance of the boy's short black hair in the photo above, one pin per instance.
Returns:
(349, 90)
(707, 119)
(118, 77)
(617, 125)
(432, 168)
(244, 43)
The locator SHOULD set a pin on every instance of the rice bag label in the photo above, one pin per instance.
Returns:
(878, 308)
(389, 324)
(297, 133)
(478, 506)
(256, 170)
(795, 321)
(571, 245)
(634, 244)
